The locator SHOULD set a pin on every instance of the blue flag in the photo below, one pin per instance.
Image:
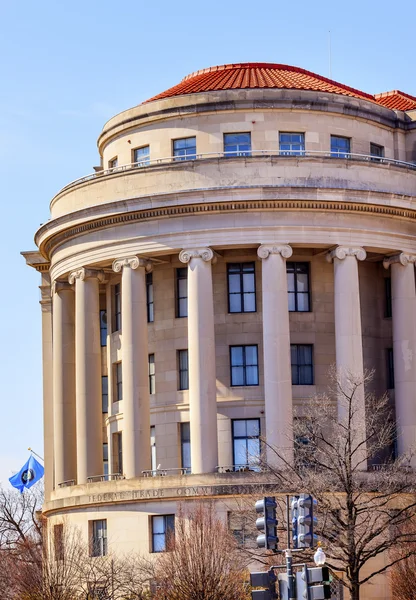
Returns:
(28, 475)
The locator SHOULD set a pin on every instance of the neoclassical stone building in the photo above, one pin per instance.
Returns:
(245, 230)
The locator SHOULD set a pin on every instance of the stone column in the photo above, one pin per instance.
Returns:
(276, 355)
(201, 353)
(404, 348)
(64, 415)
(88, 372)
(348, 335)
(134, 364)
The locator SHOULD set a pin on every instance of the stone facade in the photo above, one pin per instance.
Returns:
(349, 220)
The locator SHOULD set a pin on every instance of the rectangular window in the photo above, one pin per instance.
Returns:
(141, 156)
(186, 446)
(390, 369)
(99, 537)
(298, 286)
(246, 442)
(241, 287)
(117, 307)
(340, 146)
(103, 327)
(387, 297)
(149, 297)
(183, 370)
(302, 364)
(244, 365)
(153, 448)
(292, 144)
(237, 144)
(119, 381)
(376, 151)
(105, 459)
(182, 292)
(113, 163)
(163, 530)
(58, 541)
(118, 452)
(152, 374)
(184, 149)
(104, 393)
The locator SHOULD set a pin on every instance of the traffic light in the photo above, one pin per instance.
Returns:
(313, 584)
(303, 521)
(265, 579)
(267, 523)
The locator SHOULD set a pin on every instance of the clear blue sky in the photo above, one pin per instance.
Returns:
(66, 67)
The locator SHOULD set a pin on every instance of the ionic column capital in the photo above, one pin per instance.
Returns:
(85, 273)
(60, 286)
(134, 262)
(342, 252)
(205, 253)
(265, 250)
(402, 258)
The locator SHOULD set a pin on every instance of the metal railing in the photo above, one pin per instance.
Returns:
(166, 472)
(66, 483)
(301, 154)
(109, 477)
(239, 469)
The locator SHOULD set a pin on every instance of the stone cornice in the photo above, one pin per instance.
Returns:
(205, 253)
(134, 262)
(403, 258)
(49, 245)
(341, 252)
(86, 273)
(265, 250)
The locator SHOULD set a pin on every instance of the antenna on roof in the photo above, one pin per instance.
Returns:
(329, 52)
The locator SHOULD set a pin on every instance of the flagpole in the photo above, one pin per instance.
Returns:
(36, 454)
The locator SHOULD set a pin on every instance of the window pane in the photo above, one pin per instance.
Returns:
(291, 282)
(237, 355)
(302, 282)
(303, 302)
(183, 307)
(159, 543)
(240, 452)
(251, 355)
(291, 301)
(305, 376)
(237, 376)
(305, 355)
(158, 525)
(295, 379)
(248, 282)
(186, 455)
(183, 360)
(182, 288)
(252, 377)
(235, 303)
(253, 450)
(240, 428)
(249, 302)
(234, 282)
(253, 427)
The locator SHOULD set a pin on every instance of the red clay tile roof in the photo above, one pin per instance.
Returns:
(257, 75)
(396, 100)
(270, 75)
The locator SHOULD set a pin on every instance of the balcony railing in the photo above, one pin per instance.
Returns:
(165, 472)
(146, 164)
(109, 477)
(239, 469)
(66, 483)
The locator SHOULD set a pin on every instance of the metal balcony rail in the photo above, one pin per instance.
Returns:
(166, 472)
(298, 154)
(109, 477)
(238, 469)
(66, 483)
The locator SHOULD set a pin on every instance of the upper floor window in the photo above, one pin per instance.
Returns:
(182, 292)
(186, 446)
(390, 369)
(117, 307)
(237, 144)
(113, 163)
(103, 327)
(149, 297)
(241, 287)
(119, 381)
(105, 459)
(99, 537)
(376, 151)
(246, 442)
(141, 156)
(185, 148)
(292, 144)
(152, 374)
(340, 146)
(118, 452)
(104, 393)
(163, 526)
(244, 365)
(302, 364)
(298, 286)
(153, 448)
(387, 297)
(183, 383)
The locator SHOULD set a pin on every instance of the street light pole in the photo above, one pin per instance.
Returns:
(291, 583)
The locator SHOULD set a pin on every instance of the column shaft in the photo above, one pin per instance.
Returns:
(135, 357)
(276, 353)
(64, 383)
(88, 374)
(404, 350)
(201, 352)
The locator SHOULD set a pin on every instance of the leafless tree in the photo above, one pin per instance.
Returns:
(363, 509)
(403, 574)
(203, 561)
